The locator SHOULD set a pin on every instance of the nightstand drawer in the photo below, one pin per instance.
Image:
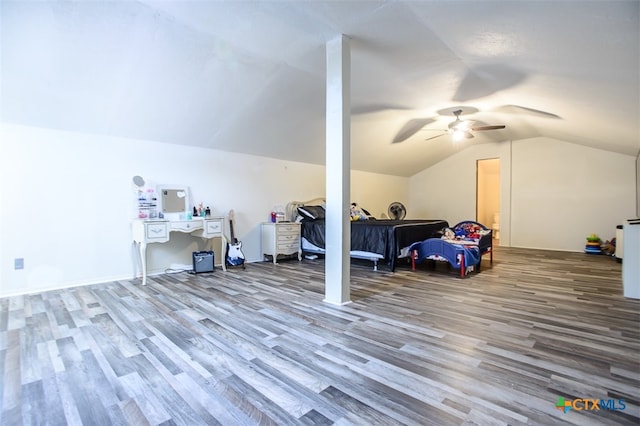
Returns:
(289, 248)
(288, 229)
(283, 238)
(289, 245)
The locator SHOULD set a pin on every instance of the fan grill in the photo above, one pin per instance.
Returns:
(397, 210)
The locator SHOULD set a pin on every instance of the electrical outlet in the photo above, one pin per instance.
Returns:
(18, 263)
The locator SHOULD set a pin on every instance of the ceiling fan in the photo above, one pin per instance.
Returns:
(461, 129)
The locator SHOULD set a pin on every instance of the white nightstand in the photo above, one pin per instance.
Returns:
(281, 238)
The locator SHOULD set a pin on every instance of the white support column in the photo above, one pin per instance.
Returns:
(338, 169)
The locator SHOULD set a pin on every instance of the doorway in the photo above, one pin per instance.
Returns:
(488, 194)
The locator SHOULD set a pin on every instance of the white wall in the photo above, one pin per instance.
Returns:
(67, 201)
(375, 192)
(447, 190)
(574, 189)
(553, 193)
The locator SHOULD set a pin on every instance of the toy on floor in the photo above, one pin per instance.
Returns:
(593, 245)
(609, 247)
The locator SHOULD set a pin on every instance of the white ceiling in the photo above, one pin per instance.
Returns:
(249, 76)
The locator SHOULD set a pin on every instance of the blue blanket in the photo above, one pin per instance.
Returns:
(448, 250)
(471, 254)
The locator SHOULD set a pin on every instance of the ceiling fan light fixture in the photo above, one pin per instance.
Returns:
(464, 125)
(462, 129)
(459, 125)
(455, 125)
(458, 135)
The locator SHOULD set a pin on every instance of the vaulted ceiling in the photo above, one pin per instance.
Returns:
(249, 76)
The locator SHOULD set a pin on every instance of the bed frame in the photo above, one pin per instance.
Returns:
(452, 251)
(394, 236)
(291, 212)
(291, 215)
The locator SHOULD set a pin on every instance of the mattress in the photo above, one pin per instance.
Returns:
(310, 248)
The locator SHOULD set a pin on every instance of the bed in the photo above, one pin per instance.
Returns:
(377, 240)
(462, 246)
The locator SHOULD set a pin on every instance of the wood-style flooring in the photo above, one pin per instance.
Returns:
(259, 346)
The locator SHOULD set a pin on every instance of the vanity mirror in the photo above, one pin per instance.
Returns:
(174, 201)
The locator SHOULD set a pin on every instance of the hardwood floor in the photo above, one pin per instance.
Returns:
(258, 346)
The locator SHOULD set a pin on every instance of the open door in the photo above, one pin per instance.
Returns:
(488, 194)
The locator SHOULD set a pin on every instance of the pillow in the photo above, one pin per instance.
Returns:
(311, 212)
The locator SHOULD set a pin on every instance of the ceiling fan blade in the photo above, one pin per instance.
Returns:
(436, 136)
(518, 109)
(463, 110)
(375, 108)
(480, 128)
(410, 128)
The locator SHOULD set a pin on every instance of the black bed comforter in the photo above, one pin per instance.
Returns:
(385, 237)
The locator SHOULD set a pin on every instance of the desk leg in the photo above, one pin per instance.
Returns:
(223, 249)
(143, 261)
(134, 258)
(139, 255)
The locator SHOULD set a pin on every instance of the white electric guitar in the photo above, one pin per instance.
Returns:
(235, 257)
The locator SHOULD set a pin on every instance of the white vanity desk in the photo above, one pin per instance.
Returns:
(146, 231)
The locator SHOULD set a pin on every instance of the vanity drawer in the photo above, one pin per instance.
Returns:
(156, 231)
(186, 225)
(213, 226)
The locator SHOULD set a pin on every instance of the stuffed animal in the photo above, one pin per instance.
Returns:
(357, 213)
(448, 234)
(609, 247)
(468, 231)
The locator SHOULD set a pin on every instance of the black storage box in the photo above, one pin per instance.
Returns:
(202, 261)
